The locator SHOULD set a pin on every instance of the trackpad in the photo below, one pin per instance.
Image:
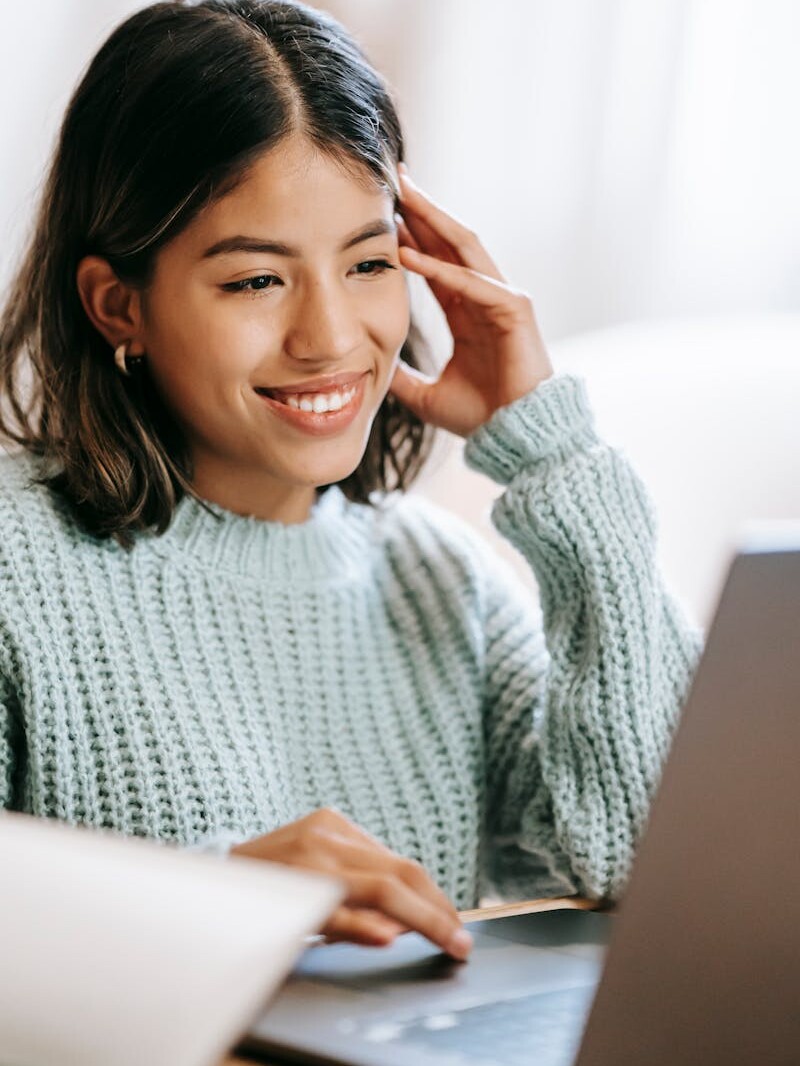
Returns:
(541, 952)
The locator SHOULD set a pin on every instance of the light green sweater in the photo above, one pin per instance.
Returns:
(233, 674)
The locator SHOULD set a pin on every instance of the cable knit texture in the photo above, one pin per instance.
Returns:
(233, 674)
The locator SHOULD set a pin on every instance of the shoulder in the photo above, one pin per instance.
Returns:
(408, 518)
(34, 521)
(419, 534)
(19, 490)
(22, 496)
(15, 470)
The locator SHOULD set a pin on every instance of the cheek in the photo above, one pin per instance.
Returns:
(390, 319)
(198, 343)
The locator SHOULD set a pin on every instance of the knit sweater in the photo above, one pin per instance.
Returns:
(233, 674)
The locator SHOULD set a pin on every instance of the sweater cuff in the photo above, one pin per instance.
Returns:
(219, 843)
(553, 420)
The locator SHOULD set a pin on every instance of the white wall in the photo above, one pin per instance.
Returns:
(620, 159)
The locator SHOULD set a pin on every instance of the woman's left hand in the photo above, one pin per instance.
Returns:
(498, 354)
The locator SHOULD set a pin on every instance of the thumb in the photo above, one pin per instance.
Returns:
(411, 387)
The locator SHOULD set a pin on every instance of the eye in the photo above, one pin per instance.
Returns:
(254, 284)
(371, 264)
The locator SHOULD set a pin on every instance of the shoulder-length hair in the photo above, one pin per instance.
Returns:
(173, 108)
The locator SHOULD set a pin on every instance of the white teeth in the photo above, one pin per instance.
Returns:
(319, 402)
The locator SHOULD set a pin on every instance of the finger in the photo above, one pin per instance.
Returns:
(411, 388)
(418, 880)
(393, 898)
(404, 233)
(407, 239)
(362, 849)
(353, 845)
(396, 928)
(426, 238)
(361, 926)
(465, 243)
(487, 292)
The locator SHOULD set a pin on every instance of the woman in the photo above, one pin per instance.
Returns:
(222, 622)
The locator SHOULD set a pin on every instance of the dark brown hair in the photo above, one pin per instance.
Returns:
(171, 111)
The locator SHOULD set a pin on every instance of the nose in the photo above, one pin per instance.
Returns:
(325, 325)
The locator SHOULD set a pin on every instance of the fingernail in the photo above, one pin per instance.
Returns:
(460, 945)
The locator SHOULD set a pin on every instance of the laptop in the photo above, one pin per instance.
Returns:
(123, 952)
(701, 962)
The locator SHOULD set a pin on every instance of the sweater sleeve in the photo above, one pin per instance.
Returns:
(8, 744)
(580, 703)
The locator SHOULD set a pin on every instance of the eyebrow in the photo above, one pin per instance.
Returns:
(258, 245)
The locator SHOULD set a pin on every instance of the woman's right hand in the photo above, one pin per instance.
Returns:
(386, 894)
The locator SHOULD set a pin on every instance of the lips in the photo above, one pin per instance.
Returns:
(332, 383)
(318, 423)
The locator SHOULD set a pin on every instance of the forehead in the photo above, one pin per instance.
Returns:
(298, 194)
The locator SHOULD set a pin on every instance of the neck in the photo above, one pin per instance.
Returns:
(247, 492)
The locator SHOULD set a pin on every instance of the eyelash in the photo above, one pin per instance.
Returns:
(245, 285)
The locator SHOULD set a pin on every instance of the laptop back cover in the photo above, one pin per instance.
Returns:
(704, 963)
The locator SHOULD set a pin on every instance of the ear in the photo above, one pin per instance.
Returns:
(114, 309)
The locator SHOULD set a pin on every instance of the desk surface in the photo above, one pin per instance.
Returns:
(500, 910)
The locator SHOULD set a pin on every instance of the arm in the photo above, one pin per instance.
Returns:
(8, 745)
(577, 731)
(579, 722)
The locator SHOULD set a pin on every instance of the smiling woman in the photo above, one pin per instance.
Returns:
(168, 230)
(223, 623)
(230, 323)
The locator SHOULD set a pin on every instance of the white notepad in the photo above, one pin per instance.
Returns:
(121, 952)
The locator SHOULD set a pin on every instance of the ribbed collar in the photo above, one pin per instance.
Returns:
(329, 546)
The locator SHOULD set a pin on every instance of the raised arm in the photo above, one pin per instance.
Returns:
(579, 716)
(577, 728)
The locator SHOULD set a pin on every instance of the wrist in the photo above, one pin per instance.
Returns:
(552, 420)
(221, 843)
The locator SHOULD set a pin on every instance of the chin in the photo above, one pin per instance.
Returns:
(334, 460)
(328, 473)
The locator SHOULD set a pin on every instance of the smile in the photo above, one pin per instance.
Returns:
(319, 402)
(316, 413)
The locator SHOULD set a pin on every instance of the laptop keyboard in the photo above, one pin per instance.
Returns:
(542, 1029)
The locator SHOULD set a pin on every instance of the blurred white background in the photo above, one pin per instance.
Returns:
(623, 160)
(620, 158)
